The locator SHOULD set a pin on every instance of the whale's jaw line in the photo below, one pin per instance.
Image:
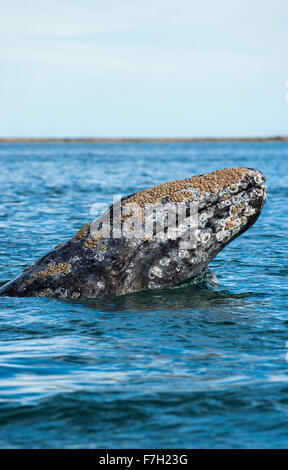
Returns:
(74, 271)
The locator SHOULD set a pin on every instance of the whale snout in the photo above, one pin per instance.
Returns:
(236, 207)
(257, 175)
(225, 204)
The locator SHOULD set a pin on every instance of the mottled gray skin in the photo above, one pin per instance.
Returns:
(130, 265)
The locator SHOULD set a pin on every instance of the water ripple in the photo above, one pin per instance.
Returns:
(202, 364)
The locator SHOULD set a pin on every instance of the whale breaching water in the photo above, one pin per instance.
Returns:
(150, 239)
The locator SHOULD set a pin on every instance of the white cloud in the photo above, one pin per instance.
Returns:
(61, 18)
(196, 25)
(149, 36)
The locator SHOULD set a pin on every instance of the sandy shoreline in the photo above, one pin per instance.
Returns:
(141, 140)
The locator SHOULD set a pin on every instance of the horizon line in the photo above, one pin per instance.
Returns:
(140, 139)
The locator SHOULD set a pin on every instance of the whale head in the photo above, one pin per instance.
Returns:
(154, 238)
(220, 206)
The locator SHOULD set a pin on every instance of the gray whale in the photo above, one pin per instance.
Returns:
(101, 261)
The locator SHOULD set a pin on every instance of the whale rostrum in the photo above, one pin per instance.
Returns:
(151, 239)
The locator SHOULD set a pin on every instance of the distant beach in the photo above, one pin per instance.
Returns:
(110, 140)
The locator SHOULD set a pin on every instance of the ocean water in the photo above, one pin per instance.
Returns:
(200, 365)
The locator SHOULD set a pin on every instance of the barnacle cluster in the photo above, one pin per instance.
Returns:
(234, 216)
(54, 269)
(180, 190)
(177, 191)
(43, 293)
(83, 232)
(58, 246)
(92, 242)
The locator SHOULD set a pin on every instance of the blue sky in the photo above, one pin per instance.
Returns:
(170, 68)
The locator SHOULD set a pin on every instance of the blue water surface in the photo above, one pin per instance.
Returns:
(194, 366)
